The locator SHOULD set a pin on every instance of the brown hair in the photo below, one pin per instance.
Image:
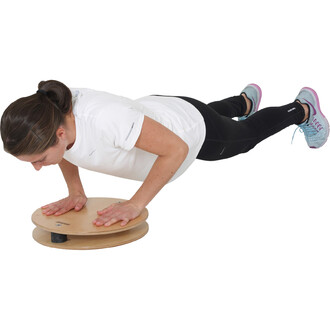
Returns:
(29, 125)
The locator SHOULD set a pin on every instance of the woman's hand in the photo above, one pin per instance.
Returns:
(124, 212)
(76, 202)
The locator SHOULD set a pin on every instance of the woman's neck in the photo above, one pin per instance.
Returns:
(70, 125)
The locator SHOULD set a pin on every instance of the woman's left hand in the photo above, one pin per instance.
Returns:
(123, 211)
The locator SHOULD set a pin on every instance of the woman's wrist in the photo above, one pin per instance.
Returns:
(74, 191)
(138, 203)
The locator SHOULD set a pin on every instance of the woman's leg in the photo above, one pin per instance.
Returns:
(231, 107)
(226, 137)
(242, 106)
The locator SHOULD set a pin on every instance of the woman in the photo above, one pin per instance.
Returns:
(153, 139)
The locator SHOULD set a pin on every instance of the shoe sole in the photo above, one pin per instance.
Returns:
(319, 109)
(259, 95)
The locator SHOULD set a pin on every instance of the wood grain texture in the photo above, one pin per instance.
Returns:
(81, 223)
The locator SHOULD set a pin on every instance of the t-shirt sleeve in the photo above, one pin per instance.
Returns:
(121, 126)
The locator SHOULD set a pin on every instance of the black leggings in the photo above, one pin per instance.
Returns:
(226, 137)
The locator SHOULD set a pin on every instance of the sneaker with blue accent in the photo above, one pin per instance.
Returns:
(253, 93)
(316, 127)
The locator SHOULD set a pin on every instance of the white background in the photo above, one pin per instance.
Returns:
(237, 244)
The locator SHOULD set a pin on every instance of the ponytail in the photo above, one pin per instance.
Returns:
(29, 125)
(57, 93)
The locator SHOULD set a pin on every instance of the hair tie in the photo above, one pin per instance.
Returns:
(42, 91)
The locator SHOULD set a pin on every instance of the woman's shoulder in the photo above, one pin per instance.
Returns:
(87, 92)
(98, 96)
(90, 102)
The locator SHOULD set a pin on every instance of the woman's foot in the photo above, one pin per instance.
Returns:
(315, 125)
(248, 104)
(252, 94)
(306, 109)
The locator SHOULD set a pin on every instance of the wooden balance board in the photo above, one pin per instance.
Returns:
(76, 231)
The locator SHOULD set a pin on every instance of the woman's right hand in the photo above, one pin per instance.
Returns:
(76, 202)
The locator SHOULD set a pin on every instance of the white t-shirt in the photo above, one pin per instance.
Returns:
(108, 126)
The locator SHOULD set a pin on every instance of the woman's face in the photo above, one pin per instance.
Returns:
(51, 156)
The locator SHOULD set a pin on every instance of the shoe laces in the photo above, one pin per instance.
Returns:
(307, 129)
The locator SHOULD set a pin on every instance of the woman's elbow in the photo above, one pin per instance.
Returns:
(183, 150)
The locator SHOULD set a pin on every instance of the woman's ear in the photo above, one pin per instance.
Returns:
(61, 133)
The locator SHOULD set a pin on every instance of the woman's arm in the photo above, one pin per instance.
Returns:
(171, 151)
(71, 176)
(76, 199)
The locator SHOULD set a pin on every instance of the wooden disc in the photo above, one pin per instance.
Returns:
(76, 242)
(81, 223)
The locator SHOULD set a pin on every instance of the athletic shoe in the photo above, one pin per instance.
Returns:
(254, 94)
(316, 127)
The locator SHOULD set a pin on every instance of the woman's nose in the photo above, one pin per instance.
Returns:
(37, 167)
